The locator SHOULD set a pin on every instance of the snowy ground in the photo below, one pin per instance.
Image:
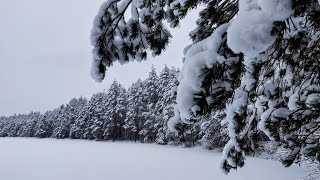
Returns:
(48, 159)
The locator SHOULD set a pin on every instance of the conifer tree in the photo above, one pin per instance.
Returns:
(43, 126)
(115, 112)
(61, 129)
(121, 110)
(5, 125)
(213, 131)
(97, 116)
(30, 120)
(151, 95)
(78, 128)
(165, 106)
(73, 109)
(136, 106)
(261, 66)
(67, 117)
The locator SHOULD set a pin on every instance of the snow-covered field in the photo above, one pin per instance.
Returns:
(49, 159)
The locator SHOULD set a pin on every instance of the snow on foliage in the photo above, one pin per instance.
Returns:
(198, 56)
(256, 60)
(250, 32)
(116, 39)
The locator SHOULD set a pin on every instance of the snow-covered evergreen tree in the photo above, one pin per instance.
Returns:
(27, 128)
(121, 110)
(5, 125)
(94, 128)
(115, 112)
(43, 126)
(136, 106)
(64, 122)
(51, 120)
(164, 109)
(61, 124)
(256, 59)
(213, 131)
(73, 109)
(151, 96)
(77, 129)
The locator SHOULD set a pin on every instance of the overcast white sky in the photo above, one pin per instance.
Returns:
(45, 54)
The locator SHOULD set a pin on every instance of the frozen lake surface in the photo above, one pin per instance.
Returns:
(50, 159)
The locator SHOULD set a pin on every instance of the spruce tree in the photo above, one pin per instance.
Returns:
(151, 96)
(115, 112)
(5, 125)
(30, 120)
(43, 126)
(97, 116)
(121, 110)
(61, 127)
(136, 106)
(165, 106)
(78, 128)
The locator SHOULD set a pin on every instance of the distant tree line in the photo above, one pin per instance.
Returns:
(140, 113)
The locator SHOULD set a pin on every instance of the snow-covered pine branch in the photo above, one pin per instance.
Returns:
(124, 30)
(257, 60)
(116, 39)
